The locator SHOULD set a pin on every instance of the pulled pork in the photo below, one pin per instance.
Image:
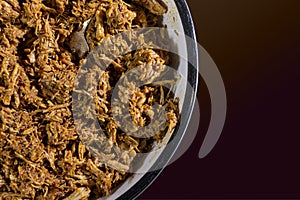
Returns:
(41, 153)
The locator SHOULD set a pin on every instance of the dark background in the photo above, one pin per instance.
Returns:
(256, 45)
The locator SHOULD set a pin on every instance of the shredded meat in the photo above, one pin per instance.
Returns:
(156, 7)
(43, 45)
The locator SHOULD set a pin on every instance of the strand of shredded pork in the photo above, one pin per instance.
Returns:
(41, 154)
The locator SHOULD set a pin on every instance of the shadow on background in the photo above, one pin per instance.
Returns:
(256, 45)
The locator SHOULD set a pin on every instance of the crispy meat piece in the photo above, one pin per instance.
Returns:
(119, 17)
(79, 194)
(7, 12)
(156, 7)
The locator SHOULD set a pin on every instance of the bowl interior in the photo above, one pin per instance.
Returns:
(176, 33)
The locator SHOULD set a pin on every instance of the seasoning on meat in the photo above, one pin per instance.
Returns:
(43, 45)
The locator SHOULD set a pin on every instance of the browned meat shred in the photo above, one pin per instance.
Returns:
(41, 153)
(156, 7)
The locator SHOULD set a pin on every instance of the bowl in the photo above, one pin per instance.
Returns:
(179, 21)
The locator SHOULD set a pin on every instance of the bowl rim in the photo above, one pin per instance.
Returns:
(188, 105)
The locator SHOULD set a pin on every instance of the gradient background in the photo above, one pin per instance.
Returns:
(256, 45)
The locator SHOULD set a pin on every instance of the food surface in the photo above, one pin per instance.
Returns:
(43, 46)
